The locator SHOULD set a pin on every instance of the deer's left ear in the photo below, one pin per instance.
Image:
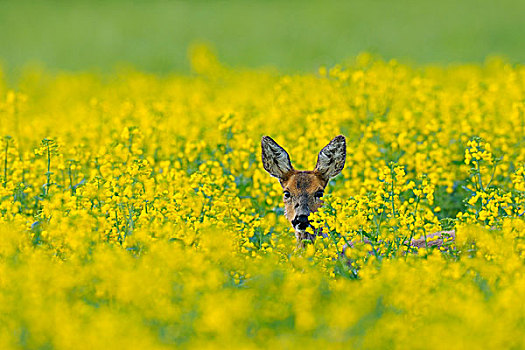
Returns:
(331, 159)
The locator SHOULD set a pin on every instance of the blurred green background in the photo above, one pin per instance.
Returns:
(290, 35)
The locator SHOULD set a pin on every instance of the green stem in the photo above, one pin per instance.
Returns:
(130, 224)
(335, 242)
(412, 232)
(70, 180)
(130, 142)
(493, 173)
(478, 169)
(392, 190)
(118, 229)
(5, 164)
(48, 174)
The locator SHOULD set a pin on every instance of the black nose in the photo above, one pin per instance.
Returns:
(301, 222)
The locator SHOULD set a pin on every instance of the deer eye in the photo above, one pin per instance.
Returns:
(319, 194)
(286, 195)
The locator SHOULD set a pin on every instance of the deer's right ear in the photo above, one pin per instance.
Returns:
(275, 159)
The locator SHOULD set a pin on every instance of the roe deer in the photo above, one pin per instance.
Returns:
(303, 190)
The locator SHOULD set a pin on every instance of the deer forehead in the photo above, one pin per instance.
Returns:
(301, 182)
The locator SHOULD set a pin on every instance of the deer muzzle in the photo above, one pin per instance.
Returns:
(301, 222)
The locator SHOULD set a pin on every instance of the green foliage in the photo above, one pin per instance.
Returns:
(291, 35)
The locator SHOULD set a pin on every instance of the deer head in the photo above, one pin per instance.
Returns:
(303, 190)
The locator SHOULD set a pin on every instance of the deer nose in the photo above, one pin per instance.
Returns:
(301, 222)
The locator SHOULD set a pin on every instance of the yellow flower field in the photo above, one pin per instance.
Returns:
(135, 211)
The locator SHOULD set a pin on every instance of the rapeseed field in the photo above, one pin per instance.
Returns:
(135, 211)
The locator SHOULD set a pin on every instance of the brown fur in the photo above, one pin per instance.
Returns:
(303, 189)
(302, 185)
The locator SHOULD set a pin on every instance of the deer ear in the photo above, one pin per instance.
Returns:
(275, 159)
(331, 159)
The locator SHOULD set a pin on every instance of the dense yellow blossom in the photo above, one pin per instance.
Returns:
(135, 212)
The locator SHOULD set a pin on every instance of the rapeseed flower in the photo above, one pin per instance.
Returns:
(135, 212)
